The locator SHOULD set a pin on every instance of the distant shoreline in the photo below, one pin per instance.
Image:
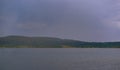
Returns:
(51, 42)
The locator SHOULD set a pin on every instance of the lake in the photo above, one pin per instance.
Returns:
(59, 59)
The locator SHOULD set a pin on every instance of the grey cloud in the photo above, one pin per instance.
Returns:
(73, 19)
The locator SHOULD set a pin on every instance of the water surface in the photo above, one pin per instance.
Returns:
(60, 59)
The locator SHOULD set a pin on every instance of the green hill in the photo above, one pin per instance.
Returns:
(49, 42)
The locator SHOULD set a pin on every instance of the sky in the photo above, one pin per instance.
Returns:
(84, 20)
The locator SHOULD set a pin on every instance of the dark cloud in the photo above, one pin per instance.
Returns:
(88, 20)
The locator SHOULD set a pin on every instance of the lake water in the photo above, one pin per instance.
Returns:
(60, 59)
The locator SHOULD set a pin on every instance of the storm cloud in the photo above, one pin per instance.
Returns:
(85, 20)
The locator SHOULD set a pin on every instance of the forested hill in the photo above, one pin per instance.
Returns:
(49, 42)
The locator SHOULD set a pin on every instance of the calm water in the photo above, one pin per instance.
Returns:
(60, 59)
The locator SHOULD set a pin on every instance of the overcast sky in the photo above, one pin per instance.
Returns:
(85, 20)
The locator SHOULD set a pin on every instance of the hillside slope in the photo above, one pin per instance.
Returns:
(49, 42)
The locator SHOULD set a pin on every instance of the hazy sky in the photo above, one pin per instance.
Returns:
(85, 20)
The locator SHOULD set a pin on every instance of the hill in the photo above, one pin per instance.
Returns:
(49, 42)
